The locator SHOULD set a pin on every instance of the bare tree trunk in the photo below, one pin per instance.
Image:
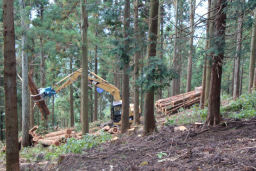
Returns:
(1, 109)
(31, 118)
(149, 117)
(241, 81)
(71, 99)
(214, 116)
(191, 51)
(11, 117)
(125, 58)
(211, 14)
(252, 54)
(233, 75)
(238, 53)
(84, 80)
(254, 79)
(136, 64)
(95, 114)
(42, 58)
(175, 56)
(25, 91)
(202, 98)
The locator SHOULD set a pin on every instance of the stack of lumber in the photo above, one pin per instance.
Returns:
(53, 138)
(172, 104)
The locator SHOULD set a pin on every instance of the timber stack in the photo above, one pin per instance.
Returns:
(53, 138)
(172, 104)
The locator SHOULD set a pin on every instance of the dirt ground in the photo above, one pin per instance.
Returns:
(230, 146)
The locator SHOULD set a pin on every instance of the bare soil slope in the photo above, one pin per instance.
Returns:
(229, 146)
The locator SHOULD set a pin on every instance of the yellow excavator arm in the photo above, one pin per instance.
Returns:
(94, 79)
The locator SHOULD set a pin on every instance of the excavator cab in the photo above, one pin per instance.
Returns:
(116, 111)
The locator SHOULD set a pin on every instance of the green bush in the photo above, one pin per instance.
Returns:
(188, 116)
(243, 107)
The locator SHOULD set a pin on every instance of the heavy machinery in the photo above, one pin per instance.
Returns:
(95, 80)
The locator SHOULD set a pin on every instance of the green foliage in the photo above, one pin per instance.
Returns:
(77, 146)
(195, 114)
(243, 107)
(156, 75)
(160, 155)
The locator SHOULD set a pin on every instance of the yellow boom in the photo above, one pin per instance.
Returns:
(93, 79)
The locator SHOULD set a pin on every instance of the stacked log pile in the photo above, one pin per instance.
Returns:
(172, 104)
(53, 138)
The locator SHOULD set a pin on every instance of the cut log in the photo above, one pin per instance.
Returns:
(38, 100)
(57, 133)
(49, 142)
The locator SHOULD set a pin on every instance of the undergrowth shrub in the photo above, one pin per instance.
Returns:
(243, 107)
(77, 146)
(195, 114)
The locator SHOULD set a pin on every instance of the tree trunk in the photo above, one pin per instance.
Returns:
(254, 79)
(202, 98)
(208, 64)
(95, 114)
(25, 91)
(191, 46)
(233, 75)
(149, 118)
(252, 54)
(42, 58)
(175, 56)
(136, 64)
(1, 110)
(241, 81)
(11, 116)
(84, 80)
(214, 116)
(238, 53)
(53, 122)
(125, 58)
(71, 100)
(1, 126)
(31, 110)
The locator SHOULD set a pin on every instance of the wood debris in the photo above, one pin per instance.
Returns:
(172, 104)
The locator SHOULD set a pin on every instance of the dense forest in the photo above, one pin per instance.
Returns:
(78, 74)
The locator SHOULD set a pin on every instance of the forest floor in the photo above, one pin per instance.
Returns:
(228, 146)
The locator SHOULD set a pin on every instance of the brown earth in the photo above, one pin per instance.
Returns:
(229, 146)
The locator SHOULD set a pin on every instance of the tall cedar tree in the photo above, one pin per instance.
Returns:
(136, 64)
(149, 118)
(11, 117)
(212, 11)
(191, 46)
(214, 116)
(252, 54)
(202, 98)
(239, 32)
(125, 89)
(95, 112)
(84, 80)
(71, 99)
(25, 91)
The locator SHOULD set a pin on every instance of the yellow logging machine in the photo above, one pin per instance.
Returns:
(95, 80)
